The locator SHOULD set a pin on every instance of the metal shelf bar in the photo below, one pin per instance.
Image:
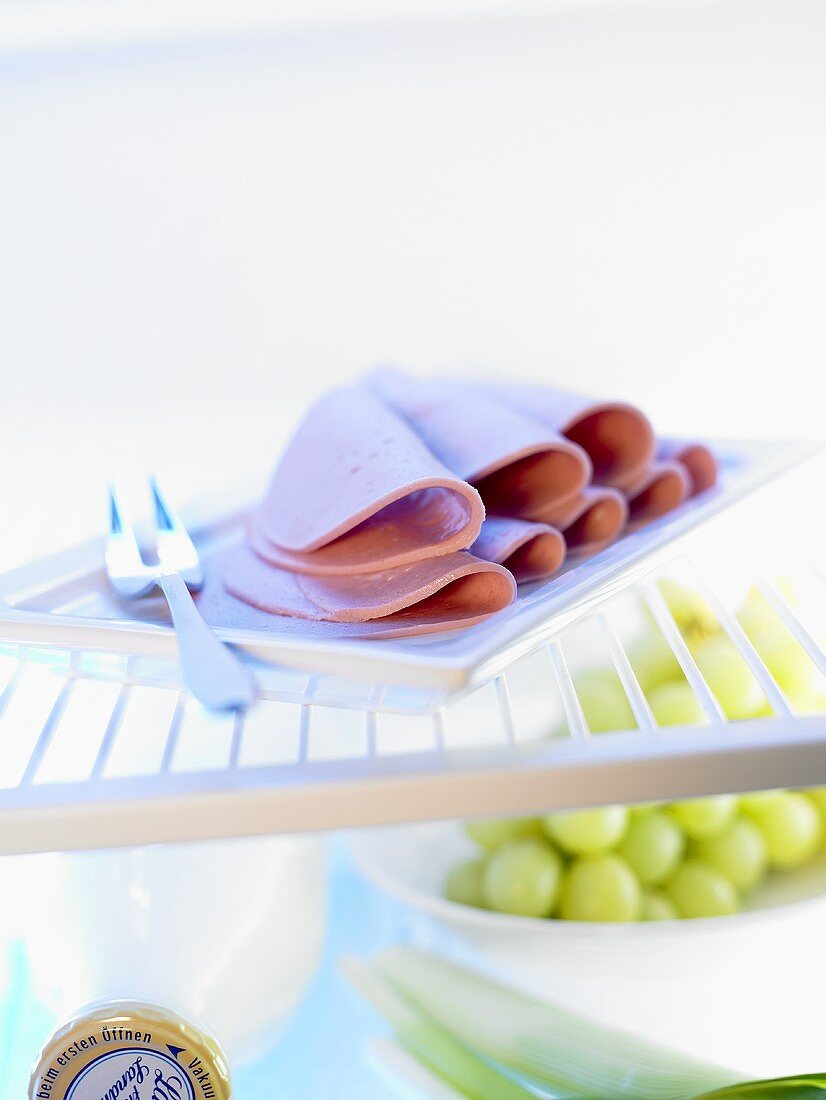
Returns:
(778, 701)
(786, 612)
(503, 698)
(639, 704)
(574, 714)
(671, 632)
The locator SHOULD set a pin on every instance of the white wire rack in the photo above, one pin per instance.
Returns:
(100, 751)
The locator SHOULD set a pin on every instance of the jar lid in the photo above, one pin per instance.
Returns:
(127, 1050)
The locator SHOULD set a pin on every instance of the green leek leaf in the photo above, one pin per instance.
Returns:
(435, 1047)
(806, 1087)
(544, 1043)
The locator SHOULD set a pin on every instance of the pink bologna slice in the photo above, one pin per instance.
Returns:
(594, 520)
(618, 437)
(696, 458)
(661, 489)
(357, 491)
(530, 551)
(430, 595)
(518, 465)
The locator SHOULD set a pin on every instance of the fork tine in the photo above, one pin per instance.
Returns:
(121, 532)
(124, 562)
(175, 548)
(164, 513)
(116, 524)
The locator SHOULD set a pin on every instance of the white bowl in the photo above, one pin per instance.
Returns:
(230, 931)
(743, 991)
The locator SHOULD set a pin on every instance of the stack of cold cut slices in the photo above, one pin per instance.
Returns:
(406, 506)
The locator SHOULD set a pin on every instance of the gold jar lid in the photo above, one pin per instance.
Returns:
(126, 1050)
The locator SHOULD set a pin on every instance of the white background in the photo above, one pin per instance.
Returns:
(199, 232)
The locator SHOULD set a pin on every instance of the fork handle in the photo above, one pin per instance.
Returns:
(211, 671)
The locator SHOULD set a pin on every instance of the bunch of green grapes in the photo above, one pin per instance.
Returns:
(721, 665)
(672, 701)
(658, 861)
(696, 858)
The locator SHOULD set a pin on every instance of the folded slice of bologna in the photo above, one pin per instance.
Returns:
(437, 593)
(618, 437)
(663, 487)
(530, 551)
(357, 490)
(696, 458)
(591, 521)
(518, 464)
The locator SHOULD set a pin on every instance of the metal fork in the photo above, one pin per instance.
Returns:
(214, 675)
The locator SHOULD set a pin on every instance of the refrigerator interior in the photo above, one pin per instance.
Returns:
(203, 226)
(251, 932)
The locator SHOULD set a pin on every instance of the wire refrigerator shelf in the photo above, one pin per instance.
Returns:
(103, 750)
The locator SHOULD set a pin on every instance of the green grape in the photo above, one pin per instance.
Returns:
(817, 795)
(785, 659)
(491, 833)
(522, 878)
(786, 587)
(604, 701)
(464, 883)
(653, 846)
(600, 888)
(697, 890)
(690, 610)
(729, 678)
(792, 830)
(676, 705)
(756, 612)
(656, 906)
(764, 710)
(585, 832)
(812, 702)
(739, 853)
(756, 802)
(653, 661)
(643, 809)
(700, 818)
